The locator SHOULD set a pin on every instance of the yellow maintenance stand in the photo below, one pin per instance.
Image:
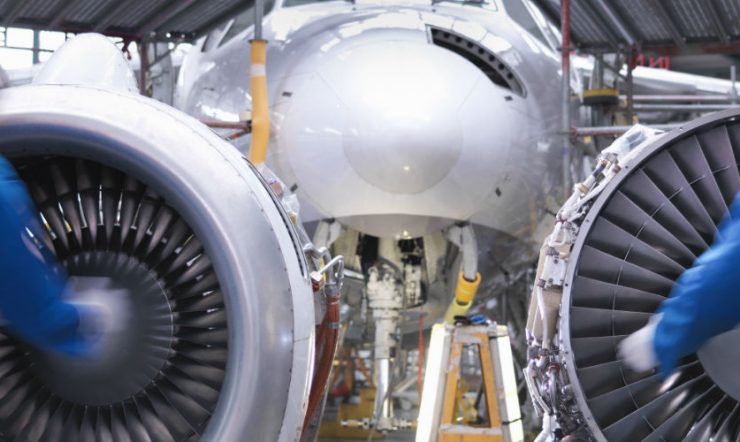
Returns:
(441, 399)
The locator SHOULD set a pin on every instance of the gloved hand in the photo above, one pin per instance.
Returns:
(637, 349)
(103, 309)
(703, 303)
(31, 284)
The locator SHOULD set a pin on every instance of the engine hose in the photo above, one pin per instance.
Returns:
(329, 334)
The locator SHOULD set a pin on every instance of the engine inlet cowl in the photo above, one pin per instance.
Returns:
(640, 235)
(220, 311)
(642, 231)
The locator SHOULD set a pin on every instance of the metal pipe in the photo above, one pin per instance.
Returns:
(36, 46)
(143, 65)
(258, 90)
(566, 117)
(597, 76)
(630, 89)
(382, 382)
(259, 12)
(612, 19)
(618, 130)
(597, 18)
(468, 281)
(681, 107)
(673, 98)
(469, 249)
(597, 82)
(217, 124)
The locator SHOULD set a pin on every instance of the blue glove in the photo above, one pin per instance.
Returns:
(705, 301)
(31, 285)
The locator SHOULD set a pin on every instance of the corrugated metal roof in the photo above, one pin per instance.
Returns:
(669, 26)
(731, 18)
(126, 18)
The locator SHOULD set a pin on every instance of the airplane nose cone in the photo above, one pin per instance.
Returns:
(407, 137)
(403, 134)
(390, 133)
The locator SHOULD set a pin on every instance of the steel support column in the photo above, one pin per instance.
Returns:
(143, 65)
(630, 88)
(566, 117)
(36, 46)
(259, 12)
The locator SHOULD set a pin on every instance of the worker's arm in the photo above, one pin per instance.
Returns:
(31, 287)
(704, 302)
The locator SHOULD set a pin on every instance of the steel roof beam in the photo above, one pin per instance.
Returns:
(165, 15)
(15, 11)
(614, 21)
(716, 20)
(595, 17)
(229, 13)
(60, 14)
(109, 15)
(667, 20)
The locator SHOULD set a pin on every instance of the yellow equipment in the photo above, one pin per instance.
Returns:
(440, 399)
(260, 105)
(464, 295)
(601, 96)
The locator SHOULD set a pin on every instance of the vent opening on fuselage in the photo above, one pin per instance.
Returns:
(485, 60)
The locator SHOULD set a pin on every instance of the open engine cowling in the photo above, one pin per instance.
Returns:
(220, 341)
(650, 222)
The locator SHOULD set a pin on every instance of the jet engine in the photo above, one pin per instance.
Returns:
(621, 241)
(219, 344)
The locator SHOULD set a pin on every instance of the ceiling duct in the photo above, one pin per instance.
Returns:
(650, 222)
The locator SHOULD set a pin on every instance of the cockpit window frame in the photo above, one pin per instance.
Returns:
(488, 62)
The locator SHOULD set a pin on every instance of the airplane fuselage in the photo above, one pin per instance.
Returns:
(397, 120)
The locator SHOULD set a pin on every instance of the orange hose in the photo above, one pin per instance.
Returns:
(326, 351)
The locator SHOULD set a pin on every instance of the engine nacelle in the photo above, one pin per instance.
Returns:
(644, 217)
(220, 341)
